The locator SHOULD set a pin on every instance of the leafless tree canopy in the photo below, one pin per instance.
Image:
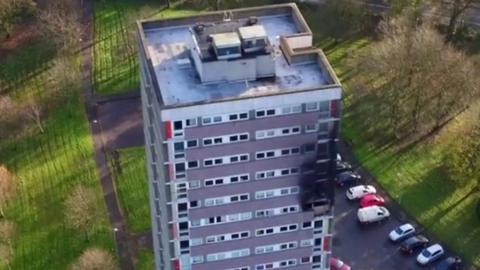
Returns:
(95, 259)
(81, 209)
(420, 81)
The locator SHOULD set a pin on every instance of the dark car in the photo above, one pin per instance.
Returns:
(414, 243)
(450, 263)
(347, 178)
(343, 166)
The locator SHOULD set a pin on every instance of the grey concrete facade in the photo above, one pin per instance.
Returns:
(203, 217)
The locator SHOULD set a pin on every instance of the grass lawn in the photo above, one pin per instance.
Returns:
(48, 166)
(132, 187)
(146, 261)
(414, 177)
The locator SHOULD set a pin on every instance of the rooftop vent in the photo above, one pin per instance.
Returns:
(252, 20)
(254, 38)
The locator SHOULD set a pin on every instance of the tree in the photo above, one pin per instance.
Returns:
(33, 110)
(462, 159)
(95, 259)
(455, 10)
(419, 81)
(7, 235)
(8, 188)
(10, 117)
(81, 209)
(14, 11)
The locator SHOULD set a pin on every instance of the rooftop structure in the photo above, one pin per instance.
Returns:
(281, 36)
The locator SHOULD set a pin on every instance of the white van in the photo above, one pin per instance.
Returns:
(372, 214)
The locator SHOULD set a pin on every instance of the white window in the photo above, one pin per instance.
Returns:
(196, 259)
(240, 268)
(278, 192)
(230, 138)
(278, 132)
(209, 120)
(274, 153)
(310, 128)
(196, 241)
(306, 243)
(228, 255)
(312, 106)
(276, 173)
(292, 109)
(276, 230)
(227, 237)
(276, 247)
(276, 264)
(231, 179)
(191, 122)
(194, 184)
(227, 199)
(324, 109)
(222, 219)
(225, 160)
(277, 211)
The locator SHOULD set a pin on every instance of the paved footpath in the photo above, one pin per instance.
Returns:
(123, 240)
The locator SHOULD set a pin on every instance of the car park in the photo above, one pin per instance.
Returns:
(337, 264)
(357, 192)
(372, 214)
(430, 254)
(371, 200)
(401, 232)
(342, 166)
(450, 263)
(348, 178)
(413, 244)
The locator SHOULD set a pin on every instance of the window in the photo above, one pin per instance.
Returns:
(208, 120)
(310, 128)
(307, 225)
(306, 243)
(225, 160)
(311, 106)
(196, 242)
(196, 259)
(323, 128)
(228, 255)
(231, 138)
(275, 173)
(193, 164)
(309, 148)
(324, 109)
(265, 194)
(226, 199)
(305, 260)
(275, 247)
(276, 264)
(177, 125)
(194, 184)
(277, 153)
(276, 229)
(269, 133)
(227, 237)
(191, 122)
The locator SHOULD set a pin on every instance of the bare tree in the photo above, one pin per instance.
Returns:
(8, 232)
(10, 117)
(95, 259)
(6, 256)
(12, 12)
(33, 110)
(455, 10)
(81, 209)
(421, 82)
(8, 188)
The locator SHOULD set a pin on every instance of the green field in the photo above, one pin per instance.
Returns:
(47, 167)
(131, 182)
(146, 261)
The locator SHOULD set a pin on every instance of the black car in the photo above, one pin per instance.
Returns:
(343, 166)
(450, 263)
(347, 178)
(414, 243)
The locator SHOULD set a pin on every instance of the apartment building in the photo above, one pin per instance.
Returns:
(241, 118)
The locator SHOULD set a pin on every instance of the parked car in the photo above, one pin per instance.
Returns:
(414, 243)
(348, 178)
(337, 264)
(372, 214)
(450, 263)
(371, 200)
(430, 254)
(343, 166)
(402, 232)
(357, 192)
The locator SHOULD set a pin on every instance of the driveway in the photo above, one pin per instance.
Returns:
(368, 247)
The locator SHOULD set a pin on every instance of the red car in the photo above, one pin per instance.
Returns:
(337, 264)
(371, 200)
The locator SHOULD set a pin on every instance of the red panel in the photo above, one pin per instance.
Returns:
(326, 243)
(170, 171)
(168, 130)
(176, 264)
(174, 231)
(333, 108)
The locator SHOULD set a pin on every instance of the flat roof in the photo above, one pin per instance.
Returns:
(168, 44)
(226, 39)
(250, 32)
